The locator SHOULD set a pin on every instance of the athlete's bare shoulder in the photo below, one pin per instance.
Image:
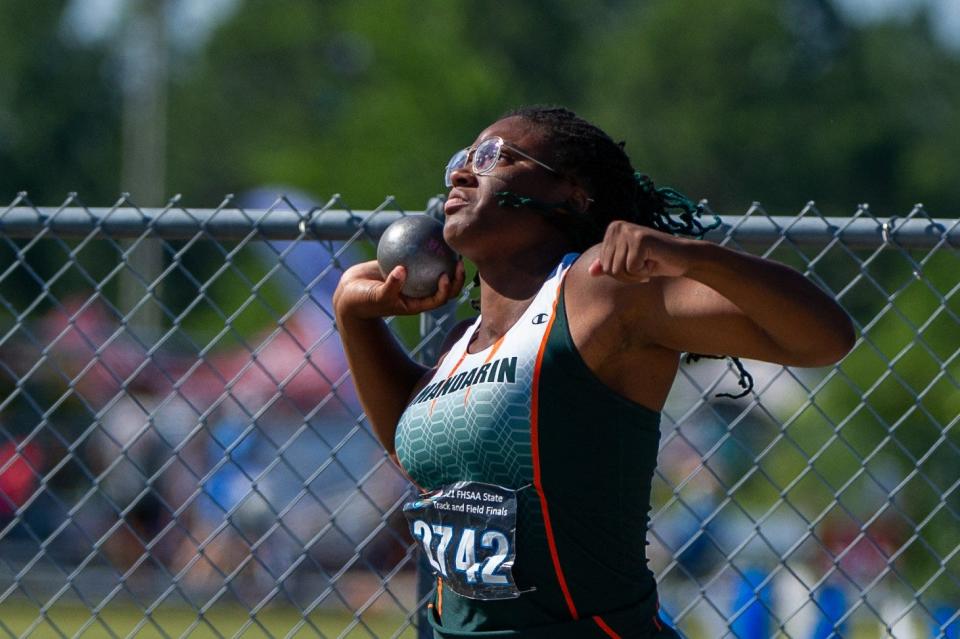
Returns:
(608, 321)
(606, 300)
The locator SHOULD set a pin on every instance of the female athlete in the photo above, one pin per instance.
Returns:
(551, 397)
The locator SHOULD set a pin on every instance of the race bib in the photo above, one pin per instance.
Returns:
(467, 531)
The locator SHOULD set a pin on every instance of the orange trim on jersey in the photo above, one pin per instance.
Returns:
(535, 450)
(439, 596)
(449, 375)
(656, 617)
(607, 629)
(493, 350)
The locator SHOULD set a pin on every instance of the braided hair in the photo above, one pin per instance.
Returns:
(617, 192)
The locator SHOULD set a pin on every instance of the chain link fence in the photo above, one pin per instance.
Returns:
(182, 452)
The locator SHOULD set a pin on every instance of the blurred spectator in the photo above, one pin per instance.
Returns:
(232, 514)
(945, 623)
(129, 452)
(753, 605)
(832, 602)
(20, 466)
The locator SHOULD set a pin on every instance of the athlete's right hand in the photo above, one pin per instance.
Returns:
(364, 293)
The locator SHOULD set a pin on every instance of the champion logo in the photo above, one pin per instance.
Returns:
(540, 318)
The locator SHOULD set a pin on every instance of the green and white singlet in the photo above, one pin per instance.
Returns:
(528, 414)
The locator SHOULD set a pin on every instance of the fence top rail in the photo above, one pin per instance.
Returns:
(861, 230)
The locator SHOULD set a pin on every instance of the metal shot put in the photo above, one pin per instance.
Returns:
(416, 243)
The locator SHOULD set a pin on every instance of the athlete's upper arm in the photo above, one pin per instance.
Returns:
(696, 318)
(676, 313)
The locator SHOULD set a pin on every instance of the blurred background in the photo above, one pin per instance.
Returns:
(784, 101)
(216, 414)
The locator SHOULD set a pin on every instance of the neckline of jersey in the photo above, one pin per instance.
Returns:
(470, 334)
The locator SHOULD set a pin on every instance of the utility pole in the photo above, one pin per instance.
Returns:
(144, 71)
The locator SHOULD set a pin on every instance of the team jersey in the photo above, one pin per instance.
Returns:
(528, 414)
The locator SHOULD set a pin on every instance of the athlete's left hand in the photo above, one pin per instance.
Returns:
(634, 253)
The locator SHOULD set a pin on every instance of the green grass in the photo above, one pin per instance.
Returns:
(126, 620)
(227, 620)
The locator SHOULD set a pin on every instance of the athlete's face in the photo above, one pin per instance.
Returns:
(473, 215)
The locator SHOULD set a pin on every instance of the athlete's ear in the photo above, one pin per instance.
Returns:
(579, 200)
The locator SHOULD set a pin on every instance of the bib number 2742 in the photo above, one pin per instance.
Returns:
(467, 534)
(437, 538)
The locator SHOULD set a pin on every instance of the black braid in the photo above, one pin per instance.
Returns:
(745, 379)
(618, 192)
(664, 199)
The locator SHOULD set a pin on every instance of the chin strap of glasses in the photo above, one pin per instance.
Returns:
(513, 200)
(574, 222)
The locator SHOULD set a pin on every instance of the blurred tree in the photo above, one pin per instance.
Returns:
(336, 97)
(780, 102)
(59, 113)
(59, 132)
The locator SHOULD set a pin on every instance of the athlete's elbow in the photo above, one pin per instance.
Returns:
(830, 346)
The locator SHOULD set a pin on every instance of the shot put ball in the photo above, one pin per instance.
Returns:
(416, 242)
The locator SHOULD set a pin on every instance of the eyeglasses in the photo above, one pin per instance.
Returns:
(485, 157)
